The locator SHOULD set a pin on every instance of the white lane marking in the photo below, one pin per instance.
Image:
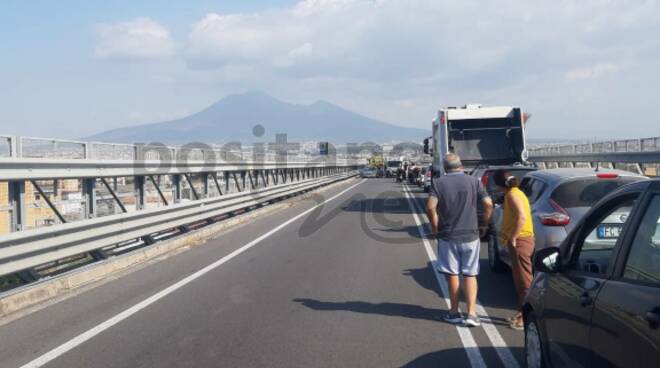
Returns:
(470, 346)
(490, 329)
(78, 340)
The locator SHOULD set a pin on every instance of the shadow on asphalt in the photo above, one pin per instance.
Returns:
(385, 309)
(496, 289)
(411, 230)
(389, 202)
(455, 357)
(425, 278)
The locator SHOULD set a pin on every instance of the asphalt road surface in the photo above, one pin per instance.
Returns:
(345, 283)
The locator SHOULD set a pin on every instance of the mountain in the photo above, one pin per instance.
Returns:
(233, 119)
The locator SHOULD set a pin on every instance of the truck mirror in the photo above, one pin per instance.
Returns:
(426, 146)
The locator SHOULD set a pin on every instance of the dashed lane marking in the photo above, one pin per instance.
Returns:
(89, 334)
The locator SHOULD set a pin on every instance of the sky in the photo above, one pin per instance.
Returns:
(586, 69)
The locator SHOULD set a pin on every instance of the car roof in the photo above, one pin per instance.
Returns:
(510, 167)
(571, 173)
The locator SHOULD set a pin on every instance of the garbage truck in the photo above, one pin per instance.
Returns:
(481, 136)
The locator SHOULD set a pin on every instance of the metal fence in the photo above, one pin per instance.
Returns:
(48, 148)
(49, 187)
(626, 145)
(637, 155)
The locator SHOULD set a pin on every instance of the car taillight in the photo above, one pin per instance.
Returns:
(428, 173)
(555, 219)
(558, 218)
(484, 179)
(607, 175)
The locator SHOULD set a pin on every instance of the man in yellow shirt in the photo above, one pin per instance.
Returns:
(518, 234)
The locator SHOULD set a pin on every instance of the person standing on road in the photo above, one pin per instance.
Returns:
(518, 235)
(452, 211)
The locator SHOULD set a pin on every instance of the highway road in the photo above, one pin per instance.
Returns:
(343, 280)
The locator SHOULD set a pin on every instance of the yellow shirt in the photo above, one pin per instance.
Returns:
(509, 219)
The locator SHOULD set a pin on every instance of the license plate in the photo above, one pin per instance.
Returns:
(609, 231)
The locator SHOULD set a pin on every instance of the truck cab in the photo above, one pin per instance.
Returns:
(480, 135)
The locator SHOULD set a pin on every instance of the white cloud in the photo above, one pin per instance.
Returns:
(439, 40)
(141, 38)
(399, 60)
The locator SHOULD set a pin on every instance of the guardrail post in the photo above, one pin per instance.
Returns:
(87, 151)
(89, 193)
(15, 147)
(139, 192)
(176, 185)
(205, 185)
(17, 202)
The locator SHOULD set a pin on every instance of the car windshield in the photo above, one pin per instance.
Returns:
(393, 163)
(587, 191)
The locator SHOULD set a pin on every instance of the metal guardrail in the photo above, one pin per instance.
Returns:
(35, 169)
(27, 249)
(61, 201)
(610, 157)
(638, 155)
(49, 148)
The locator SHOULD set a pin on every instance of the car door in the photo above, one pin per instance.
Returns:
(570, 295)
(625, 324)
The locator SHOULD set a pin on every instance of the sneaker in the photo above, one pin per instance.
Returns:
(453, 318)
(472, 321)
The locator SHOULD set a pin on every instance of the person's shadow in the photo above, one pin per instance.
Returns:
(385, 309)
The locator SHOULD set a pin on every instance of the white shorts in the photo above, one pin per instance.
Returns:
(458, 258)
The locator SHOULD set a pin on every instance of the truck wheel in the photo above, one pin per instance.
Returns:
(494, 261)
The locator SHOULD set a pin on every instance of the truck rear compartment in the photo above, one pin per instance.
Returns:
(491, 141)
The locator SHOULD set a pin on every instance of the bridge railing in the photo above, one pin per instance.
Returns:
(63, 200)
(35, 147)
(638, 155)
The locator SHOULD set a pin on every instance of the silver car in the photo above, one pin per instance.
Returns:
(558, 199)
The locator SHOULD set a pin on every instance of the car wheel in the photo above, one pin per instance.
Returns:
(494, 261)
(533, 343)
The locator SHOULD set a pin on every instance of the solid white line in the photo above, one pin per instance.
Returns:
(471, 348)
(490, 329)
(78, 340)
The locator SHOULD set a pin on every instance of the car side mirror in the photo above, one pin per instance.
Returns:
(547, 260)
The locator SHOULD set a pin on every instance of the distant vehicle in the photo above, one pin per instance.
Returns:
(369, 172)
(392, 167)
(558, 199)
(422, 175)
(428, 177)
(595, 301)
(481, 136)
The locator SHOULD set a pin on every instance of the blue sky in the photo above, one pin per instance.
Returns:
(73, 68)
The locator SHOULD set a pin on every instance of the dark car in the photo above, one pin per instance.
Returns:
(595, 301)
